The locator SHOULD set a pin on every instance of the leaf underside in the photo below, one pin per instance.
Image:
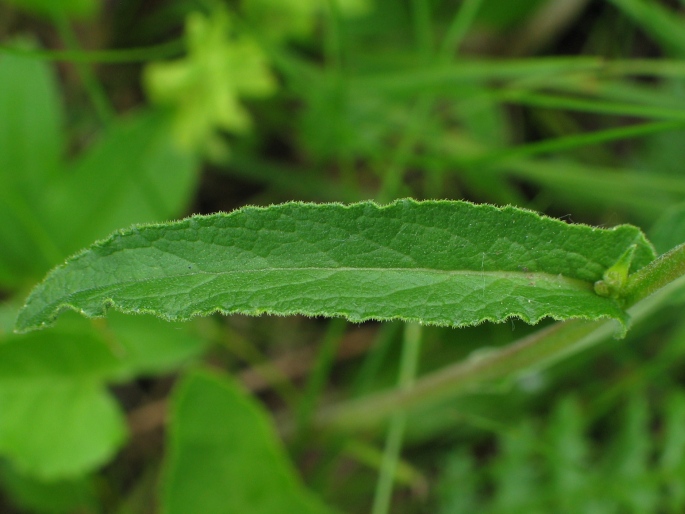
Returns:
(447, 263)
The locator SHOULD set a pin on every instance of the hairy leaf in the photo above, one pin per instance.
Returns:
(435, 262)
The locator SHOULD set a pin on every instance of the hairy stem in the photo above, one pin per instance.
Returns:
(535, 351)
(658, 274)
(371, 410)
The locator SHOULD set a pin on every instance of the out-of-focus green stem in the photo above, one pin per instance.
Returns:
(455, 379)
(97, 95)
(332, 41)
(142, 54)
(458, 28)
(535, 351)
(579, 140)
(319, 374)
(408, 364)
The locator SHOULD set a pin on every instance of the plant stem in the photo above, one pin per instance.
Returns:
(332, 39)
(535, 351)
(386, 337)
(393, 445)
(166, 50)
(455, 379)
(94, 89)
(421, 16)
(578, 140)
(656, 275)
(458, 28)
(319, 374)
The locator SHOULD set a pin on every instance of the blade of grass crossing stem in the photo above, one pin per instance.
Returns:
(592, 106)
(94, 89)
(158, 52)
(458, 28)
(319, 375)
(387, 334)
(661, 23)
(408, 363)
(453, 380)
(392, 177)
(248, 351)
(579, 140)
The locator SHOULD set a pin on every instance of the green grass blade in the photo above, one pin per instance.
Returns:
(445, 77)
(166, 50)
(436, 262)
(661, 23)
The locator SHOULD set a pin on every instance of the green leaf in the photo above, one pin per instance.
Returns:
(224, 456)
(29, 111)
(56, 418)
(30, 153)
(436, 262)
(48, 208)
(661, 23)
(53, 497)
(149, 346)
(669, 230)
(133, 174)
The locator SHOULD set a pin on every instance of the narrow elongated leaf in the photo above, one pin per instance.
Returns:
(436, 262)
(30, 153)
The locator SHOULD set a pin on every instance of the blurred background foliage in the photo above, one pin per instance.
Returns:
(124, 111)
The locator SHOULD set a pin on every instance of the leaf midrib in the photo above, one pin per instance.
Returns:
(530, 276)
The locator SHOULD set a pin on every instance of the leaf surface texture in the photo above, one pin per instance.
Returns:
(436, 262)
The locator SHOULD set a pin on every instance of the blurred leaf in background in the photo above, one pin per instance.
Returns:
(225, 457)
(50, 206)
